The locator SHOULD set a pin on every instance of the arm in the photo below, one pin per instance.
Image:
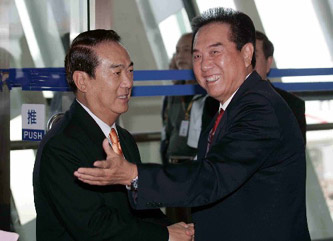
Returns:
(251, 134)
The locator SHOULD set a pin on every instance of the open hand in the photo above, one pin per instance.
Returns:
(114, 170)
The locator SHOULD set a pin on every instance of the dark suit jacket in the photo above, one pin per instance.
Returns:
(66, 208)
(297, 105)
(251, 183)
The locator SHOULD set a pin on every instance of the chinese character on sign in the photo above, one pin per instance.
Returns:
(33, 122)
(32, 117)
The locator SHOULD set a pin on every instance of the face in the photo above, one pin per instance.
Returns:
(183, 57)
(263, 65)
(217, 64)
(107, 95)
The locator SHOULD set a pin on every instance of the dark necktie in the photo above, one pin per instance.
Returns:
(213, 130)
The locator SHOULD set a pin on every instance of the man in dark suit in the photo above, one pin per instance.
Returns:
(264, 58)
(249, 180)
(100, 72)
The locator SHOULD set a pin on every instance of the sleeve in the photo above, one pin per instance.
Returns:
(251, 135)
(88, 212)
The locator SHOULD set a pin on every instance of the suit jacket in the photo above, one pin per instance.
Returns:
(297, 105)
(251, 183)
(66, 208)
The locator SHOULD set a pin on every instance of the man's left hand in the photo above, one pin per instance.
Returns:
(114, 170)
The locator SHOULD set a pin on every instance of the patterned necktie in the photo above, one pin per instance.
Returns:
(213, 130)
(115, 141)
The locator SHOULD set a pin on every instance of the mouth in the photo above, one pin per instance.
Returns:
(212, 78)
(124, 97)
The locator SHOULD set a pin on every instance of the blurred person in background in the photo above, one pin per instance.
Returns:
(264, 56)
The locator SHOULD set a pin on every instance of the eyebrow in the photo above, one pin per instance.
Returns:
(210, 46)
(114, 66)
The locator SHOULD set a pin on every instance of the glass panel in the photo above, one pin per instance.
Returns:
(172, 28)
(37, 36)
(295, 36)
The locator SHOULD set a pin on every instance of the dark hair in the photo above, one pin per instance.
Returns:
(81, 55)
(267, 45)
(241, 26)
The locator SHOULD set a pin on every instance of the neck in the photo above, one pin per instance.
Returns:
(105, 116)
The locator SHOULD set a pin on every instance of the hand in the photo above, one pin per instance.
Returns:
(181, 231)
(114, 170)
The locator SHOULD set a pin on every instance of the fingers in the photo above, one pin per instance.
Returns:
(107, 148)
(92, 180)
(102, 164)
(93, 172)
(184, 225)
(189, 229)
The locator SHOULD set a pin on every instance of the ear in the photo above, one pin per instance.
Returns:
(269, 64)
(81, 80)
(247, 52)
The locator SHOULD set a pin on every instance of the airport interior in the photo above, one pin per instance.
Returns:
(34, 38)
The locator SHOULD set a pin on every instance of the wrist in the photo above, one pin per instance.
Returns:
(132, 182)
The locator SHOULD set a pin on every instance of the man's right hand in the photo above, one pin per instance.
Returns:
(181, 232)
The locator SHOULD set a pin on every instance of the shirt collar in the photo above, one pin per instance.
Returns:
(104, 127)
(226, 103)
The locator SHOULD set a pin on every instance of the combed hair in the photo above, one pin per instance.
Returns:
(241, 26)
(82, 57)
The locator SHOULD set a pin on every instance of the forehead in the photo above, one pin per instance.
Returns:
(212, 33)
(185, 40)
(112, 51)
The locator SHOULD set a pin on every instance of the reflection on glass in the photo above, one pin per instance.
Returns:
(172, 28)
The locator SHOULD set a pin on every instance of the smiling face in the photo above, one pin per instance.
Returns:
(107, 95)
(217, 64)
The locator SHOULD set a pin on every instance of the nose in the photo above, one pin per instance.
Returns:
(127, 81)
(206, 63)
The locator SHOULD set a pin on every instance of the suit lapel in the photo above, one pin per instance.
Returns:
(92, 133)
(248, 84)
(220, 130)
(128, 146)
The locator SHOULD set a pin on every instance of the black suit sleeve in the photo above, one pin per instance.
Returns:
(248, 137)
(88, 212)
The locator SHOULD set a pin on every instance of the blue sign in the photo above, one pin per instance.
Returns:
(32, 135)
(33, 122)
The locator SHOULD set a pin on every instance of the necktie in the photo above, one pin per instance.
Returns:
(212, 131)
(115, 141)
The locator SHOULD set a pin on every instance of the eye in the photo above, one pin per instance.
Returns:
(117, 73)
(196, 57)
